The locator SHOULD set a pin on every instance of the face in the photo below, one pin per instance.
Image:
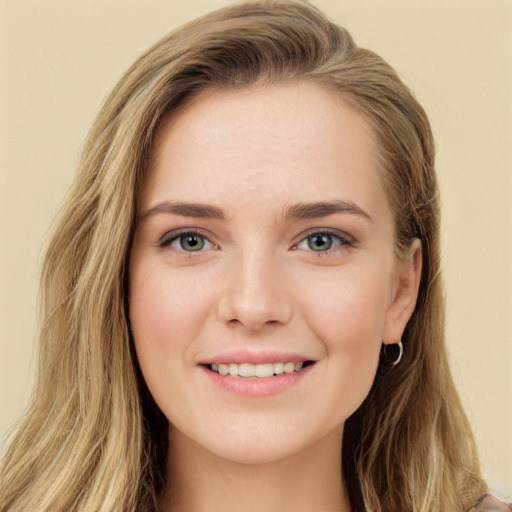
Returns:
(262, 275)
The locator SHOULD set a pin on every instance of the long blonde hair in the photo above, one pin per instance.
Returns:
(93, 438)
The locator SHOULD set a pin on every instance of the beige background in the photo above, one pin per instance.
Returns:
(58, 59)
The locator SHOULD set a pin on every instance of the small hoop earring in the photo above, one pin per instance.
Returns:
(394, 352)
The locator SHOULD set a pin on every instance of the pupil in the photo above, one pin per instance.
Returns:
(191, 242)
(320, 242)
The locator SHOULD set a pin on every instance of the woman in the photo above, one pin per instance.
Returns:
(255, 213)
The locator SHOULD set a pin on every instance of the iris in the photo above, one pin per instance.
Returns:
(320, 242)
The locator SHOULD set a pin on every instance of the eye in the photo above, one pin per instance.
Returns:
(322, 241)
(188, 241)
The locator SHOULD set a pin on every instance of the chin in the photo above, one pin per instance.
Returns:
(256, 451)
(268, 443)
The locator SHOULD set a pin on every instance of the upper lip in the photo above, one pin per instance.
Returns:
(256, 357)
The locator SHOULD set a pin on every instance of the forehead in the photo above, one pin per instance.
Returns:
(297, 141)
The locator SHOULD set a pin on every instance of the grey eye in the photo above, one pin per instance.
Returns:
(189, 242)
(320, 242)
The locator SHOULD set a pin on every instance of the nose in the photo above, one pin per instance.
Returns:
(255, 294)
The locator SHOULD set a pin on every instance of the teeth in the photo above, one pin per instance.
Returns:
(289, 368)
(256, 370)
(264, 370)
(279, 368)
(244, 370)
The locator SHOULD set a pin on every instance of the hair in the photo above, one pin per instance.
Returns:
(93, 439)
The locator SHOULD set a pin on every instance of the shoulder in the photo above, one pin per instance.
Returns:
(491, 503)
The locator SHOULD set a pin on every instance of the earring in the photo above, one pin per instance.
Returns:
(393, 352)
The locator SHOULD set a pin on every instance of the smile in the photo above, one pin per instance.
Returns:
(262, 371)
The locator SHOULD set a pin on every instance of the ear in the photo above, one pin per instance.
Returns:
(404, 294)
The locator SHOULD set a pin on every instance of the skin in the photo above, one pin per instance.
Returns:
(257, 285)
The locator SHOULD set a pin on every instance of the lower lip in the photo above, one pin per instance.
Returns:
(255, 387)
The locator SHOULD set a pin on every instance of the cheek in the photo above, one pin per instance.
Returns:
(347, 310)
(166, 312)
(348, 317)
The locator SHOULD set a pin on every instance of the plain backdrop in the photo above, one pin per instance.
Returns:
(59, 58)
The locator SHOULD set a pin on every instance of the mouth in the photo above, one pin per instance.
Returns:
(259, 371)
(257, 375)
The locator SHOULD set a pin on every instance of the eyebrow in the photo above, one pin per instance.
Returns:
(300, 211)
(323, 209)
(198, 210)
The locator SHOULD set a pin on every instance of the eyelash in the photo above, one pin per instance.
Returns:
(169, 238)
(174, 236)
(343, 240)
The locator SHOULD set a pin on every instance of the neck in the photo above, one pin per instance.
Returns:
(200, 480)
